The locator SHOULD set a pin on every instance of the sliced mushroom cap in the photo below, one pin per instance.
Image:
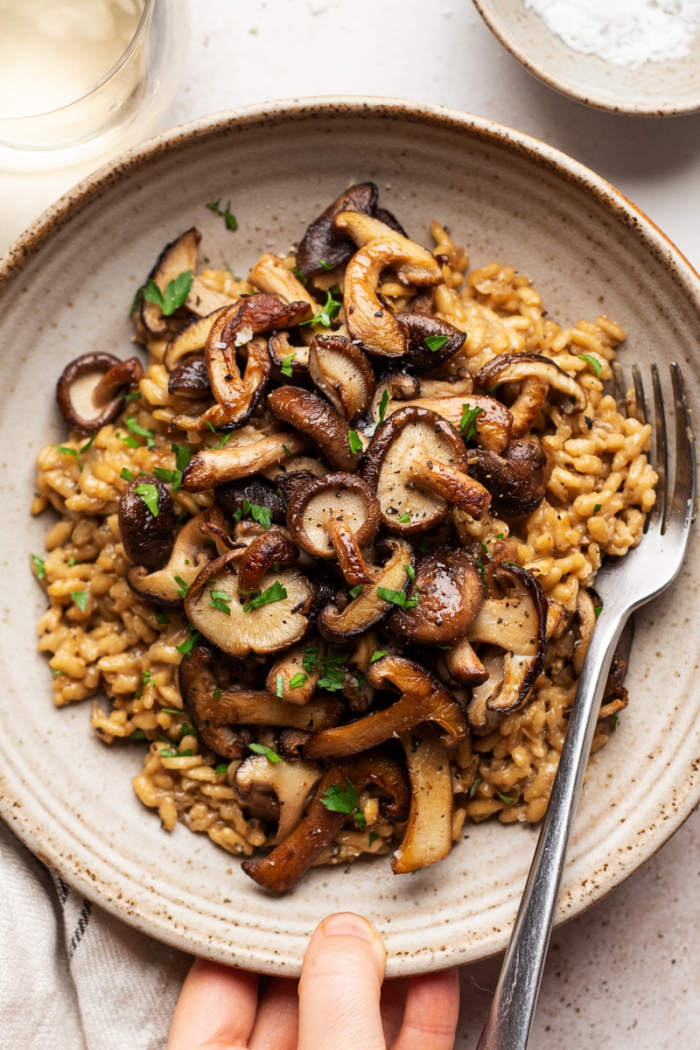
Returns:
(294, 664)
(177, 257)
(423, 699)
(233, 495)
(316, 418)
(282, 352)
(216, 466)
(399, 387)
(463, 665)
(271, 275)
(270, 549)
(514, 368)
(268, 628)
(322, 246)
(428, 836)
(203, 300)
(343, 373)
(190, 379)
(517, 624)
(451, 595)
(147, 538)
(190, 552)
(88, 390)
(190, 339)
(419, 268)
(283, 868)
(492, 424)
(290, 783)
(341, 498)
(443, 341)
(368, 608)
(294, 465)
(417, 466)
(518, 479)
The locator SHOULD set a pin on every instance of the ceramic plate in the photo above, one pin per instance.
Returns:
(66, 288)
(654, 89)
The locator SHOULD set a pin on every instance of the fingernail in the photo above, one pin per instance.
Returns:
(347, 924)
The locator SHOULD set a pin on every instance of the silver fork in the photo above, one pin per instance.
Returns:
(624, 584)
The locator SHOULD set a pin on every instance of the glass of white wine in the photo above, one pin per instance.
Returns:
(80, 80)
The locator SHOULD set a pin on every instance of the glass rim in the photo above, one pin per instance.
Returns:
(123, 58)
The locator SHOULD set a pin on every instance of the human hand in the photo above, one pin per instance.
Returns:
(338, 1004)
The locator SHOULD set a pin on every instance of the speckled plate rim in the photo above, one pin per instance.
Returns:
(565, 87)
(139, 906)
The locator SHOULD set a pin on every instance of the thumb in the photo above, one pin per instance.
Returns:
(340, 986)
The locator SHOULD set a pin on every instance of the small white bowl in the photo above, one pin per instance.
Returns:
(656, 89)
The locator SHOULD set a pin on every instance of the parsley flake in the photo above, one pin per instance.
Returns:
(377, 655)
(183, 587)
(404, 519)
(144, 432)
(373, 836)
(341, 799)
(355, 591)
(81, 599)
(410, 572)
(333, 672)
(383, 403)
(221, 768)
(474, 788)
(325, 265)
(355, 442)
(182, 456)
(286, 366)
(328, 312)
(170, 477)
(297, 680)
(436, 342)
(614, 719)
(269, 752)
(397, 598)
(148, 493)
(189, 643)
(39, 566)
(504, 798)
(593, 362)
(275, 593)
(597, 609)
(127, 475)
(221, 601)
(161, 617)
(227, 215)
(259, 513)
(299, 275)
(597, 508)
(138, 734)
(217, 694)
(467, 423)
(175, 293)
(279, 686)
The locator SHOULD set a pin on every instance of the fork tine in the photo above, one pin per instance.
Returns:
(619, 387)
(640, 402)
(658, 513)
(684, 489)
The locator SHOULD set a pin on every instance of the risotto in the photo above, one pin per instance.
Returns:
(330, 553)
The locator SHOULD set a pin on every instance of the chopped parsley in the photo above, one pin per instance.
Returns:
(593, 362)
(474, 788)
(182, 456)
(170, 477)
(127, 475)
(224, 437)
(410, 572)
(383, 403)
(175, 293)
(129, 440)
(355, 442)
(328, 312)
(377, 655)
(189, 643)
(227, 215)
(481, 570)
(436, 342)
(373, 836)
(217, 694)
(144, 432)
(132, 397)
(344, 800)
(221, 601)
(397, 598)
(281, 496)
(161, 617)
(597, 609)
(81, 599)
(325, 265)
(279, 686)
(467, 423)
(504, 798)
(286, 366)
(269, 752)
(286, 450)
(173, 710)
(597, 508)
(221, 768)
(263, 515)
(138, 734)
(614, 719)
(299, 275)
(355, 591)
(176, 754)
(148, 493)
(404, 519)
(423, 546)
(39, 566)
(330, 666)
(499, 535)
(275, 593)
(71, 562)
(183, 587)
(76, 453)
(297, 680)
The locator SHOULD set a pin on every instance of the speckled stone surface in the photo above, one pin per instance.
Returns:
(623, 974)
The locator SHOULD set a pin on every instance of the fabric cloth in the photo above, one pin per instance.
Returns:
(71, 976)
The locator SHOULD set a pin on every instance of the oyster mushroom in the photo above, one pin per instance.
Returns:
(147, 537)
(190, 552)
(266, 627)
(451, 595)
(233, 495)
(271, 275)
(282, 869)
(334, 516)
(518, 479)
(428, 836)
(342, 372)
(316, 418)
(191, 379)
(367, 319)
(88, 390)
(190, 339)
(417, 466)
(203, 300)
(398, 387)
(215, 466)
(270, 549)
(423, 699)
(283, 354)
(323, 247)
(517, 368)
(516, 624)
(292, 665)
(491, 424)
(220, 716)
(176, 258)
(420, 355)
(288, 783)
(237, 326)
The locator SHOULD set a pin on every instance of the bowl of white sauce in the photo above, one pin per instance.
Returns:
(627, 56)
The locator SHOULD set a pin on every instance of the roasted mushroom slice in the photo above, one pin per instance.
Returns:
(316, 418)
(323, 247)
(221, 715)
(190, 339)
(451, 595)
(431, 341)
(294, 666)
(393, 388)
(517, 624)
(342, 372)
(423, 699)
(256, 492)
(202, 300)
(367, 319)
(289, 783)
(147, 522)
(417, 466)
(215, 466)
(518, 479)
(516, 368)
(178, 257)
(191, 550)
(334, 516)
(283, 868)
(242, 623)
(284, 355)
(191, 379)
(88, 391)
(615, 698)
(463, 665)
(480, 418)
(271, 275)
(428, 835)
(270, 549)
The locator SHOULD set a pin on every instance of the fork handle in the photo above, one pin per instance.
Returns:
(509, 1020)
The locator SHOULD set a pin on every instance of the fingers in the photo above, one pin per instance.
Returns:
(431, 1014)
(216, 1008)
(277, 1022)
(340, 986)
(392, 1007)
